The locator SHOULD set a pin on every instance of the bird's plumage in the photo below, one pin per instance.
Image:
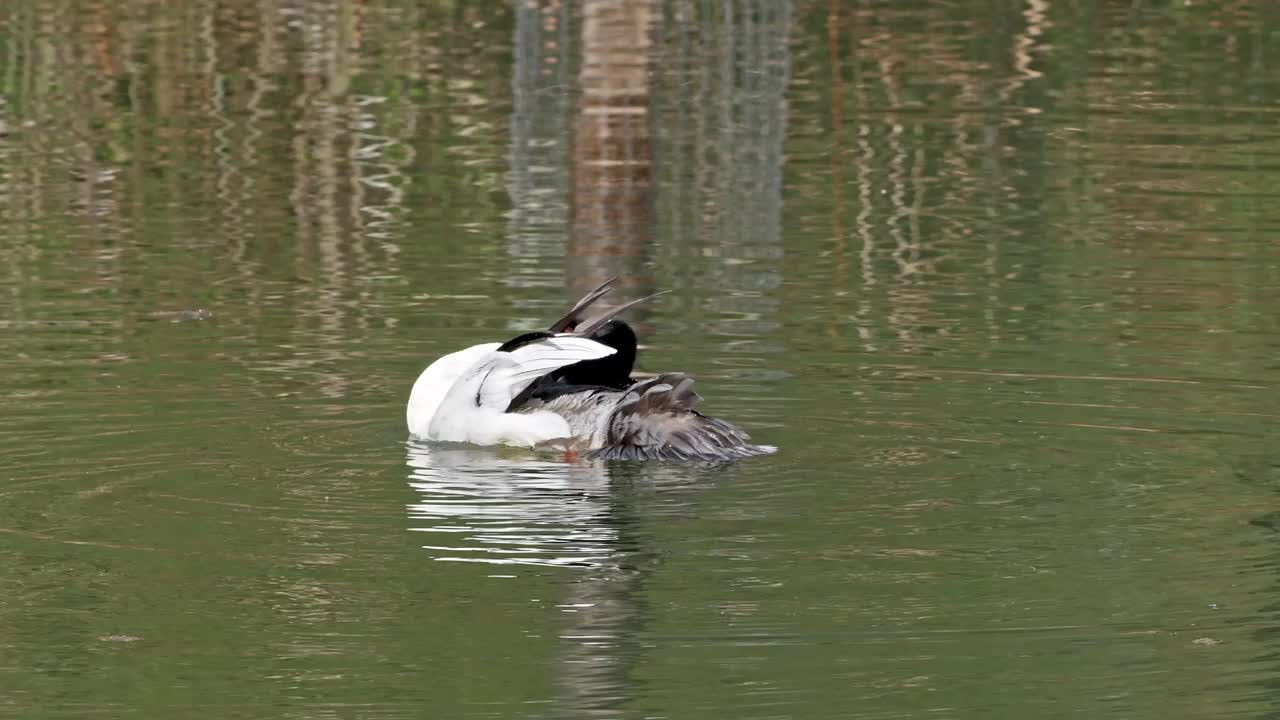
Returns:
(572, 384)
(463, 397)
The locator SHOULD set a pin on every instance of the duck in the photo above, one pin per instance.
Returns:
(570, 387)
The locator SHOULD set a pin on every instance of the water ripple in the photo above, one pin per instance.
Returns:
(507, 508)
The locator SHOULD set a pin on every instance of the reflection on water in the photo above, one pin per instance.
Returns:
(544, 71)
(721, 124)
(510, 508)
(504, 507)
(1001, 277)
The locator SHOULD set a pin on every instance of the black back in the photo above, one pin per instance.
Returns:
(613, 371)
(606, 373)
(520, 341)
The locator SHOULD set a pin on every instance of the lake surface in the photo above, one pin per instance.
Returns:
(1001, 280)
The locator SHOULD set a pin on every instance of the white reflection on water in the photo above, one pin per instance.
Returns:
(510, 507)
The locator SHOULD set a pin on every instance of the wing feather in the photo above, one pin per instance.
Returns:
(537, 359)
(655, 420)
(511, 372)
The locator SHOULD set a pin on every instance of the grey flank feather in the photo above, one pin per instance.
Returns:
(655, 420)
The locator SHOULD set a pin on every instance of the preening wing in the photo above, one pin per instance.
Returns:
(511, 372)
(655, 420)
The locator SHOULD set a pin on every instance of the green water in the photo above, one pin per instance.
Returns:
(1001, 280)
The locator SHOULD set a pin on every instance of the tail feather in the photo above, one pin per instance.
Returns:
(598, 322)
(571, 319)
(574, 321)
(655, 420)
